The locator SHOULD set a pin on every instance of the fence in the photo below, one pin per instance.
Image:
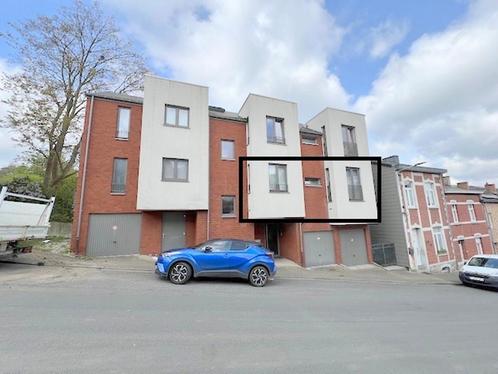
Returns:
(384, 254)
(61, 229)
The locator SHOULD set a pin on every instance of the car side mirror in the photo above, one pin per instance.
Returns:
(208, 249)
(465, 262)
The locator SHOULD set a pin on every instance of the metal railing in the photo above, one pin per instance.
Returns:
(384, 254)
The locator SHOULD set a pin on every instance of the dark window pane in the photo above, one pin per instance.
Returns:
(238, 245)
(119, 175)
(228, 205)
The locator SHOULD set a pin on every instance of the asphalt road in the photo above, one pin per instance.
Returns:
(95, 321)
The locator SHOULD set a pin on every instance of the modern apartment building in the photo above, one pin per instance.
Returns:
(162, 172)
(469, 227)
(414, 217)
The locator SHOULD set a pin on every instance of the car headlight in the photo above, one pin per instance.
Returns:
(165, 254)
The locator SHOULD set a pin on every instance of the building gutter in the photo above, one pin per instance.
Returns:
(83, 181)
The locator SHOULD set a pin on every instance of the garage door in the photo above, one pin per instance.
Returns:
(353, 247)
(318, 248)
(113, 234)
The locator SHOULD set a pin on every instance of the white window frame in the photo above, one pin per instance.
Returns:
(175, 178)
(439, 232)
(430, 192)
(275, 139)
(232, 214)
(233, 149)
(177, 110)
(123, 134)
(472, 211)
(454, 211)
(411, 200)
(279, 182)
(310, 182)
(353, 197)
(478, 241)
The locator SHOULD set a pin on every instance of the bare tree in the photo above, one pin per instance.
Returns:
(62, 57)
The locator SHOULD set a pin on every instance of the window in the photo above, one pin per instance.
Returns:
(175, 170)
(123, 125)
(324, 139)
(349, 141)
(479, 244)
(484, 262)
(329, 187)
(472, 212)
(309, 139)
(354, 184)
(315, 182)
(176, 116)
(227, 150)
(275, 130)
(430, 194)
(439, 240)
(228, 206)
(278, 178)
(410, 195)
(454, 211)
(119, 175)
(238, 245)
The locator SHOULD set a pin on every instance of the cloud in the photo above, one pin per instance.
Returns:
(8, 149)
(385, 36)
(237, 47)
(441, 98)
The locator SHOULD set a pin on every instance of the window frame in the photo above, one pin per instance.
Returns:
(118, 118)
(354, 198)
(314, 179)
(275, 140)
(233, 149)
(229, 215)
(427, 195)
(309, 139)
(177, 109)
(439, 231)
(479, 246)
(277, 167)
(454, 211)
(354, 143)
(413, 203)
(175, 179)
(472, 211)
(113, 191)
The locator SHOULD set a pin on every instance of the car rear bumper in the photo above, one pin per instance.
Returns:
(478, 280)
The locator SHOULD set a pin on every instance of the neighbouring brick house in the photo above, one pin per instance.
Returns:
(414, 217)
(162, 172)
(489, 200)
(469, 226)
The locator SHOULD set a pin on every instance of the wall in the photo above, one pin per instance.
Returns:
(103, 148)
(283, 204)
(492, 212)
(60, 229)
(160, 141)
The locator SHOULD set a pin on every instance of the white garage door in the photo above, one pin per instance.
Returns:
(113, 234)
(318, 248)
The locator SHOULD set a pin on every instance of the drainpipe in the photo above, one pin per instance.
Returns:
(83, 181)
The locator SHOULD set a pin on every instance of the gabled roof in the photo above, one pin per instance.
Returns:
(456, 190)
(307, 130)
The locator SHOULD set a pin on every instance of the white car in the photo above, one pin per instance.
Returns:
(481, 270)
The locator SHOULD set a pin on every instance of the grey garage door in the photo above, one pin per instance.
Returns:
(318, 248)
(113, 234)
(353, 247)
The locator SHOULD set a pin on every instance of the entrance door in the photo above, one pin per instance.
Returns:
(273, 230)
(418, 250)
(173, 230)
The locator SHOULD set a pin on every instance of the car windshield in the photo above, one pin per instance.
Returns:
(484, 262)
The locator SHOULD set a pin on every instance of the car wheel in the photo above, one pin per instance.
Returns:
(180, 273)
(258, 276)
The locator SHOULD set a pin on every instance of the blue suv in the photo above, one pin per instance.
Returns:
(218, 258)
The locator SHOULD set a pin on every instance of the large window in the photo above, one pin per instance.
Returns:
(454, 212)
(430, 194)
(410, 195)
(175, 170)
(354, 184)
(275, 130)
(349, 141)
(176, 116)
(278, 178)
(472, 212)
(309, 139)
(479, 244)
(439, 241)
(123, 125)
(228, 206)
(227, 150)
(119, 168)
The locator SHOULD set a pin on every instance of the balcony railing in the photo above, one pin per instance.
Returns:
(278, 188)
(350, 149)
(276, 139)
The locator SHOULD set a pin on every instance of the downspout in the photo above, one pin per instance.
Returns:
(83, 181)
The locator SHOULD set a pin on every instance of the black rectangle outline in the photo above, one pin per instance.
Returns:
(309, 220)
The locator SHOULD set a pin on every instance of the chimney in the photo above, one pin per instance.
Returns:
(391, 160)
(463, 185)
(446, 180)
(490, 187)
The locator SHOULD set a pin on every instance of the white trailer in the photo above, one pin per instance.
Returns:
(21, 221)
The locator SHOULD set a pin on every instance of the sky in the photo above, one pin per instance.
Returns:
(425, 72)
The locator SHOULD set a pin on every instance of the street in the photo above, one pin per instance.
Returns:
(81, 320)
